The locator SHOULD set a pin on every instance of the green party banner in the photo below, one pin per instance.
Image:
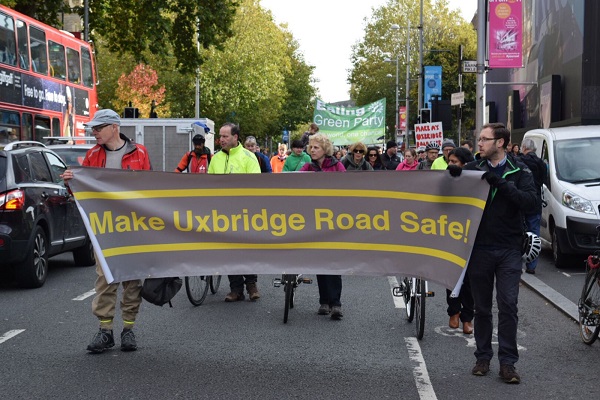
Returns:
(347, 125)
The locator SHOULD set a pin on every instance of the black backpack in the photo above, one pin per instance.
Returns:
(160, 291)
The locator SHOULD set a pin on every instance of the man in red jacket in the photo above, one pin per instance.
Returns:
(113, 150)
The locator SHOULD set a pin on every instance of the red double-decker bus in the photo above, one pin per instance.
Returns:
(47, 80)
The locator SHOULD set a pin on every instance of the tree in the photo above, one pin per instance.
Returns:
(245, 82)
(134, 26)
(443, 30)
(47, 11)
(141, 88)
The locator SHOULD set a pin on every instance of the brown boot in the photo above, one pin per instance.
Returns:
(468, 327)
(234, 296)
(253, 292)
(454, 322)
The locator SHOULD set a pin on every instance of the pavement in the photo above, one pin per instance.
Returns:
(558, 300)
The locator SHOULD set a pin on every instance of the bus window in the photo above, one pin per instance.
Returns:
(86, 64)
(27, 133)
(39, 57)
(8, 47)
(23, 45)
(9, 127)
(58, 66)
(56, 127)
(74, 66)
(42, 128)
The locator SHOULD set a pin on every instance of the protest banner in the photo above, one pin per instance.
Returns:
(159, 224)
(347, 125)
(425, 133)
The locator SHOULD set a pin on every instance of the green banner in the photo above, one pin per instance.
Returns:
(347, 125)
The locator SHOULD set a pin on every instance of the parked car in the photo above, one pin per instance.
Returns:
(71, 150)
(572, 196)
(38, 214)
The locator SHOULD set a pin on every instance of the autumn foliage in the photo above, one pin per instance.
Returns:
(140, 87)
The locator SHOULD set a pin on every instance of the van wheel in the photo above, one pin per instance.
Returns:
(561, 260)
(84, 256)
(32, 273)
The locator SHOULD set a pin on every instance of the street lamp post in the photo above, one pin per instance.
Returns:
(396, 27)
(397, 62)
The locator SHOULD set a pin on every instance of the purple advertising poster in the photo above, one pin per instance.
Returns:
(506, 34)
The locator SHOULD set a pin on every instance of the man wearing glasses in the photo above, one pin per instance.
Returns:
(113, 150)
(497, 249)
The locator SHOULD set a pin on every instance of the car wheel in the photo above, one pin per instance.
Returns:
(32, 273)
(84, 256)
(561, 260)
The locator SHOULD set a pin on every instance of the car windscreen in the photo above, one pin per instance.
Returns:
(577, 160)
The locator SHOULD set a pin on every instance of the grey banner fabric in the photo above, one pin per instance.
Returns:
(160, 224)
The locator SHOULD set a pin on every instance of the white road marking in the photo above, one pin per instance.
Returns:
(10, 334)
(424, 386)
(444, 330)
(85, 295)
(567, 275)
(398, 301)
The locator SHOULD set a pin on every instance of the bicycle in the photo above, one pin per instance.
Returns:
(290, 283)
(589, 302)
(414, 291)
(197, 287)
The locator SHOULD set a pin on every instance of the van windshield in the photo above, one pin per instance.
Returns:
(578, 160)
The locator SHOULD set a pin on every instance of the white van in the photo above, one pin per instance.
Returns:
(572, 197)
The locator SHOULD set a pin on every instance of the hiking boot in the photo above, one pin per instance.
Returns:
(324, 309)
(336, 312)
(508, 374)
(253, 293)
(102, 340)
(128, 340)
(481, 368)
(234, 296)
(467, 327)
(454, 321)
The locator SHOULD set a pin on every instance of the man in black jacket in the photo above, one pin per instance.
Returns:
(497, 250)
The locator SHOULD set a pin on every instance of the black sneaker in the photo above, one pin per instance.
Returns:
(481, 368)
(508, 374)
(336, 312)
(102, 340)
(530, 271)
(128, 340)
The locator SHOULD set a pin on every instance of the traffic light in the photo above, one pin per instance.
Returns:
(425, 115)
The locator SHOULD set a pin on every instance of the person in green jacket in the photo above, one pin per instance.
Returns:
(297, 158)
(235, 159)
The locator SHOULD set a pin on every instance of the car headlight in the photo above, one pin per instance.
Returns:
(577, 203)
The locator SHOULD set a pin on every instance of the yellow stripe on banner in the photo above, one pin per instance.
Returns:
(396, 248)
(260, 192)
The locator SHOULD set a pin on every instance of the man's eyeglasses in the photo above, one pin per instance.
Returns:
(485, 139)
(359, 151)
(99, 127)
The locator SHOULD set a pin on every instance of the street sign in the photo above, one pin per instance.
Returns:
(469, 66)
(457, 98)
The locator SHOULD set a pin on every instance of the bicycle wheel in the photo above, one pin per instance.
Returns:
(196, 288)
(589, 308)
(288, 288)
(407, 294)
(215, 282)
(420, 297)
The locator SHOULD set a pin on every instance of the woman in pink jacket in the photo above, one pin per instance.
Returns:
(320, 149)
(410, 162)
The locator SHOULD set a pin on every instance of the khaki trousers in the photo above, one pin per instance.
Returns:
(105, 302)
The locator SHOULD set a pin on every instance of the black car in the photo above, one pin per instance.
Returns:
(38, 215)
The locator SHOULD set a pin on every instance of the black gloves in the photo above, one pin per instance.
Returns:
(454, 170)
(493, 179)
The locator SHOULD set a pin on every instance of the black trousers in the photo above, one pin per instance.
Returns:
(330, 289)
(236, 282)
(462, 304)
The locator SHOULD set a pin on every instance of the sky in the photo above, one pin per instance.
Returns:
(326, 36)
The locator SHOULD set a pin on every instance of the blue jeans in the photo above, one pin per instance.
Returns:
(503, 265)
(532, 221)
